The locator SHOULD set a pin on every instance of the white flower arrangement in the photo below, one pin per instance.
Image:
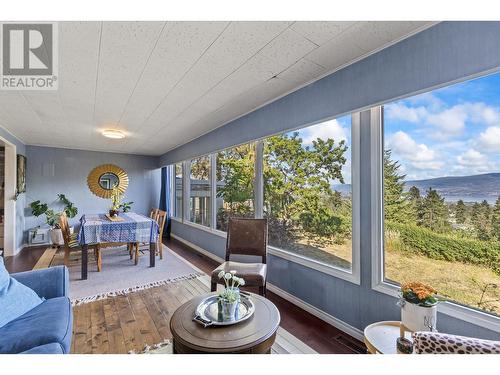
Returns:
(232, 283)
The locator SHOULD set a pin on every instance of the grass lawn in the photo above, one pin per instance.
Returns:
(463, 283)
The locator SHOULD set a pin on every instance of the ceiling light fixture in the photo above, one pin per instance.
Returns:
(112, 133)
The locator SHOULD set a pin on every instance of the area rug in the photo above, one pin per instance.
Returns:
(119, 275)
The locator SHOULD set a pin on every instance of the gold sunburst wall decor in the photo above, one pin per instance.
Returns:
(103, 178)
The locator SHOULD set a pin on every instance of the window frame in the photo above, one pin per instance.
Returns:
(354, 274)
(173, 189)
(379, 284)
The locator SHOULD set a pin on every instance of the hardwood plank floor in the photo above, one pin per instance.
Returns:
(127, 323)
(118, 328)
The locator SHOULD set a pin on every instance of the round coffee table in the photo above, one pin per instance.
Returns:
(254, 336)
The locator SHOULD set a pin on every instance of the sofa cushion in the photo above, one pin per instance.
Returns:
(15, 298)
(49, 322)
(442, 343)
(52, 348)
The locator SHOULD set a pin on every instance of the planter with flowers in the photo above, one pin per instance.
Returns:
(229, 298)
(418, 306)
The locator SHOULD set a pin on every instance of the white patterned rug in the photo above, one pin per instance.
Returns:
(119, 275)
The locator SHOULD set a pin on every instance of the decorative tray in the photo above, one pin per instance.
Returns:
(209, 312)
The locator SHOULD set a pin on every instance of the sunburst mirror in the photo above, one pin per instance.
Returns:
(104, 178)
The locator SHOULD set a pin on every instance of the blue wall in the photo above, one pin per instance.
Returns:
(446, 53)
(71, 168)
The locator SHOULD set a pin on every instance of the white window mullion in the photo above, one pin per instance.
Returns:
(213, 190)
(259, 179)
(186, 187)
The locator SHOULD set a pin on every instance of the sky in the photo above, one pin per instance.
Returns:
(453, 131)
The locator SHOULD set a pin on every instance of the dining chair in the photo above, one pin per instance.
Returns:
(245, 237)
(71, 242)
(161, 218)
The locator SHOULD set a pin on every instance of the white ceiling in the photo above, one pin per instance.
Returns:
(166, 83)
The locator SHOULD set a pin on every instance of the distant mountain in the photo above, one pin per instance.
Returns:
(468, 188)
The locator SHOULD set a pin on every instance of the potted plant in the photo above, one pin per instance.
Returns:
(52, 217)
(418, 306)
(229, 298)
(126, 206)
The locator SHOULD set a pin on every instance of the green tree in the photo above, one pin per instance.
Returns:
(415, 200)
(297, 187)
(495, 220)
(481, 220)
(396, 204)
(434, 212)
(235, 183)
(460, 212)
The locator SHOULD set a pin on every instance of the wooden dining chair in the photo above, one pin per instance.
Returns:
(245, 237)
(71, 242)
(160, 217)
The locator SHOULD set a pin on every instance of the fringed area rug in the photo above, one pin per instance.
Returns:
(119, 275)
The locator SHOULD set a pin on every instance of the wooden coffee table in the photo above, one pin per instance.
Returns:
(253, 336)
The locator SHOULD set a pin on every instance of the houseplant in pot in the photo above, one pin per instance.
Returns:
(52, 217)
(418, 303)
(229, 298)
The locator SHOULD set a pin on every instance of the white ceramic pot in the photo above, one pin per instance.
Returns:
(56, 236)
(418, 318)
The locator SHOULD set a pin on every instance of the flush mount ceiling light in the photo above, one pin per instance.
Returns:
(112, 133)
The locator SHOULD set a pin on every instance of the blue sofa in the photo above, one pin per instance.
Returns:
(46, 329)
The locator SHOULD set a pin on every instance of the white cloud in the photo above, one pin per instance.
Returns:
(451, 121)
(489, 140)
(399, 111)
(329, 129)
(472, 158)
(419, 155)
(448, 122)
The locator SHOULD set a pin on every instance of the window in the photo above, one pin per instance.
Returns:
(307, 192)
(235, 184)
(178, 190)
(199, 191)
(441, 178)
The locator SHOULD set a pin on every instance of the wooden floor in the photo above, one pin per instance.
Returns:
(129, 322)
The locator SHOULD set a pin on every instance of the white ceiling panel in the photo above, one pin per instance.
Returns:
(166, 83)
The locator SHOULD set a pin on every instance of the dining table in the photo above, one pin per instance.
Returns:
(130, 228)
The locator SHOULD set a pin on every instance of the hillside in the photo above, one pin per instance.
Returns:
(468, 188)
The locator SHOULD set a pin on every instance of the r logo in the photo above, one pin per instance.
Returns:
(27, 49)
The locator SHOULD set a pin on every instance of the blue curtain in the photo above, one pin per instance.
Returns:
(165, 195)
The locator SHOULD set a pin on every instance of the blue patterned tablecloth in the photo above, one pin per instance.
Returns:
(99, 229)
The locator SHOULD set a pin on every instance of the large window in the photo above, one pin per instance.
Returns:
(307, 192)
(235, 184)
(199, 191)
(178, 190)
(441, 178)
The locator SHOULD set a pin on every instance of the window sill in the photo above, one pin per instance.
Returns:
(280, 253)
(315, 265)
(454, 310)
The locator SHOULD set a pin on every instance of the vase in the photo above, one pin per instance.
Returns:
(228, 310)
(418, 318)
(113, 213)
(56, 237)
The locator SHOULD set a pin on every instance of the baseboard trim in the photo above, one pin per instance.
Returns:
(330, 319)
(313, 310)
